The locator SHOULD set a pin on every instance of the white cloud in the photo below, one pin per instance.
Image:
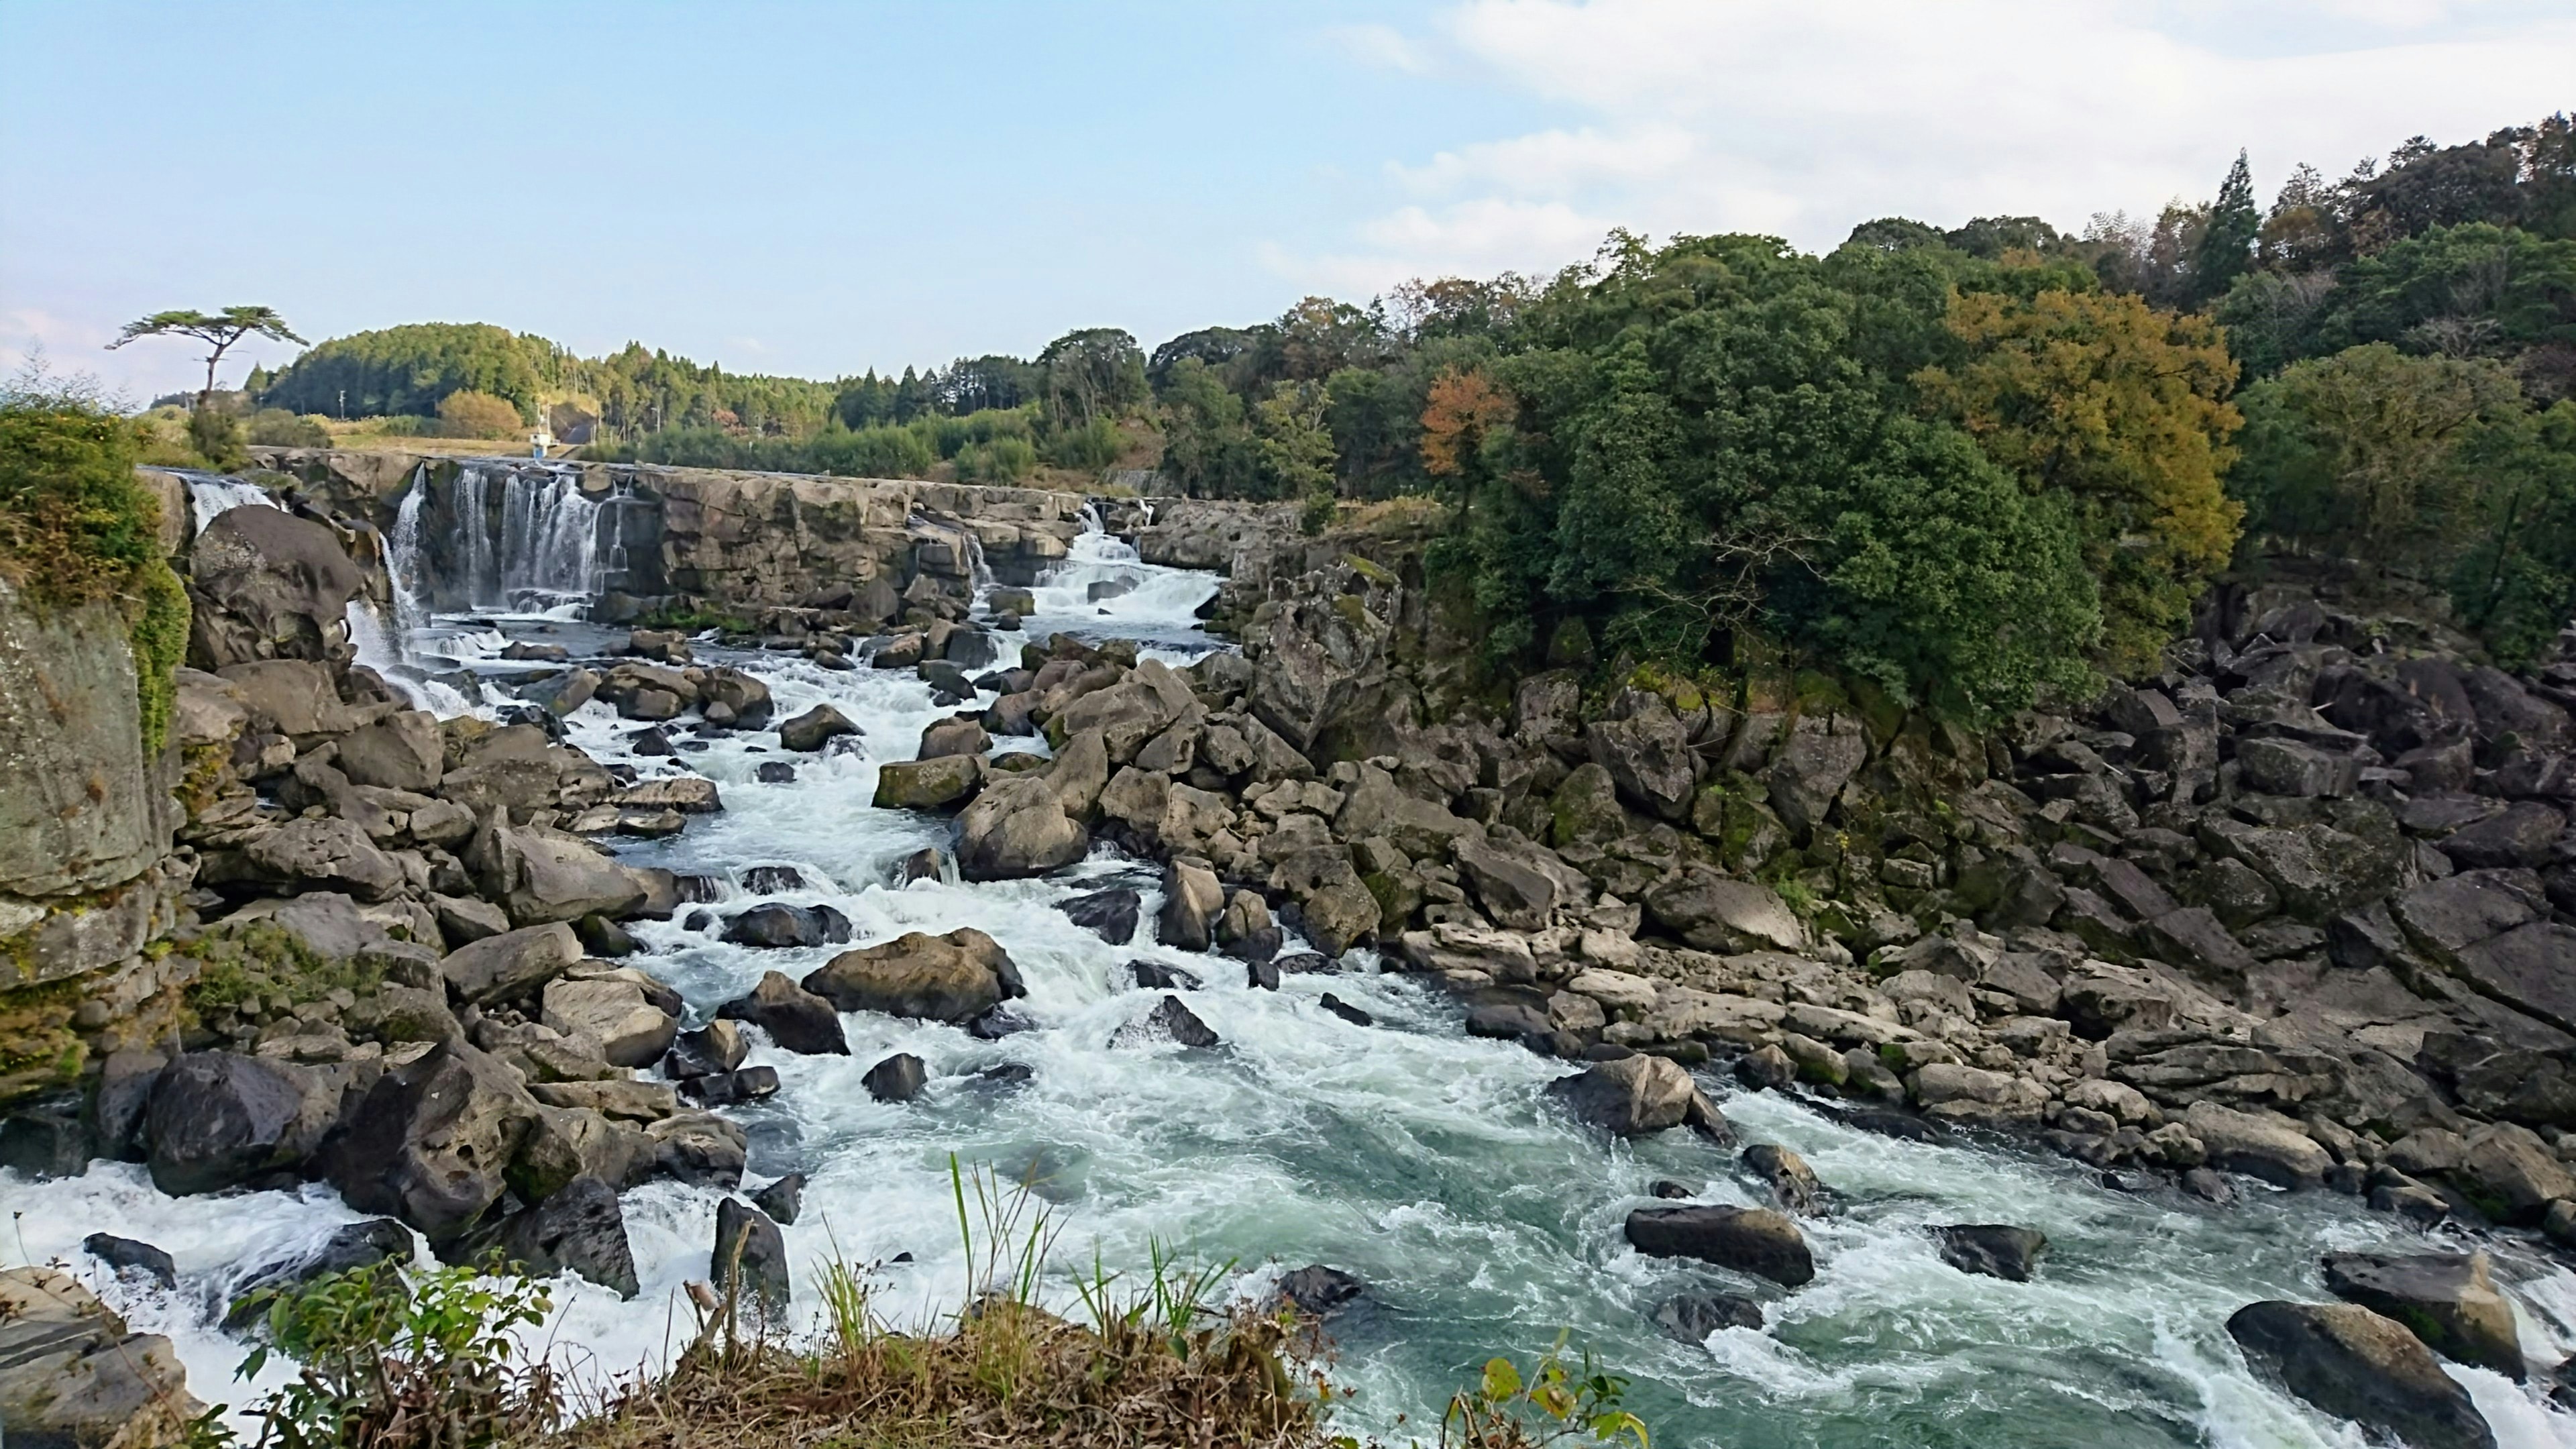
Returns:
(1378, 45)
(1803, 117)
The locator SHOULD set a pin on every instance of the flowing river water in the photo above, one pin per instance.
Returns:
(1425, 1161)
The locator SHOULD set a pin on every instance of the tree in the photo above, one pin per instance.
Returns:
(1461, 407)
(1093, 373)
(2121, 409)
(477, 415)
(2227, 239)
(218, 331)
(1294, 446)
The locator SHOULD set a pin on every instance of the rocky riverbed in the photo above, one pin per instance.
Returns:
(1833, 1072)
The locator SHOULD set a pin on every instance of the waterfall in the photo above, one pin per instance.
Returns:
(213, 494)
(549, 542)
(402, 557)
(979, 574)
(473, 523)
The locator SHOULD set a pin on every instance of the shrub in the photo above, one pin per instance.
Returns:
(1005, 459)
(392, 1362)
(76, 527)
(278, 428)
(1095, 444)
(217, 436)
(477, 415)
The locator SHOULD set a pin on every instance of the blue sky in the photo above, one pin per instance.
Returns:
(822, 188)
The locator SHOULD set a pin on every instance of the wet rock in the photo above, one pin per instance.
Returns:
(899, 1078)
(1018, 828)
(1633, 1096)
(430, 1141)
(774, 772)
(1109, 914)
(217, 1119)
(2259, 1145)
(1692, 1317)
(2357, 1365)
(782, 1199)
(749, 1263)
(699, 1148)
(795, 1018)
(1155, 976)
(123, 1253)
(955, 736)
(923, 864)
(715, 1047)
(2446, 1299)
(814, 729)
(1193, 900)
(578, 1229)
(931, 784)
(361, 1244)
(953, 978)
(1997, 1250)
(1317, 1290)
(1244, 930)
(1665, 1187)
(1793, 1184)
(1748, 1240)
(776, 926)
(1172, 1021)
(1346, 1011)
(1766, 1066)
(726, 1089)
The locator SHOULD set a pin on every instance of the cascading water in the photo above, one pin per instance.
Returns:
(1428, 1162)
(472, 504)
(1102, 589)
(549, 542)
(403, 560)
(210, 495)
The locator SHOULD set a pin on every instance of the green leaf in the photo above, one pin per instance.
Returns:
(1502, 1381)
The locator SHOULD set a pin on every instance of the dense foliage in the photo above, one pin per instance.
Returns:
(77, 527)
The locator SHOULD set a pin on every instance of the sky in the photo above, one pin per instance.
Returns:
(820, 189)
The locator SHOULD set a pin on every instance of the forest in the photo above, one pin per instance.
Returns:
(1972, 466)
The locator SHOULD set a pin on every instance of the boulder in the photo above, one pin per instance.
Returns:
(715, 1047)
(795, 1018)
(1793, 1184)
(361, 1244)
(1647, 752)
(929, 784)
(1316, 1290)
(700, 1148)
(2511, 1174)
(577, 1229)
(216, 1119)
(402, 751)
(1155, 976)
(1692, 1317)
(1018, 828)
(1170, 1020)
(120, 1254)
(1520, 886)
(1811, 767)
(749, 1262)
(328, 854)
(782, 1199)
(73, 1377)
(2446, 1299)
(431, 1140)
(1997, 1250)
(2294, 768)
(1748, 1240)
(2270, 1147)
(539, 875)
(1375, 805)
(1633, 1096)
(1193, 901)
(510, 965)
(632, 1030)
(955, 736)
(1109, 914)
(725, 1089)
(1715, 913)
(2357, 1365)
(773, 925)
(899, 1078)
(1245, 930)
(815, 728)
(953, 978)
(2521, 835)
(265, 584)
(2527, 967)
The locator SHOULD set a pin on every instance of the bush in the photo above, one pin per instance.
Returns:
(76, 527)
(278, 428)
(1095, 444)
(1003, 460)
(478, 415)
(390, 1362)
(217, 437)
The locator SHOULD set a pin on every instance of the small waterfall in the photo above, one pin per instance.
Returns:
(403, 560)
(549, 542)
(214, 494)
(979, 574)
(473, 521)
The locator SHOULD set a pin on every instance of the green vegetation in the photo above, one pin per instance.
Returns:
(218, 330)
(390, 1360)
(77, 527)
(470, 414)
(245, 966)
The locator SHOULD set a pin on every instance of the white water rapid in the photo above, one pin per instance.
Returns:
(1425, 1161)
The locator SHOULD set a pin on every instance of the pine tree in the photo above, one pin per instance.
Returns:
(2227, 241)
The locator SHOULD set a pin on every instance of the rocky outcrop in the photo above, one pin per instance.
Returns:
(73, 1374)
(953, 978)
(266, 584)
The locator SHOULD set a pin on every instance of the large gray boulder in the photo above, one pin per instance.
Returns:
(814, 729)
(1715, 913)
(402, 751)
(953, 978)
(1811, 768)
(2260, 1145)
(1646, 749)
(217, 1120)
(1634, 1095)
(73, 1376)
(510, 965)
(539, 875)
(795, 1018)
(2357, 1365)
(749, 1262)
(616, 1010)
(1521, 886)
(323, 854)
(265, 584)
(431, 1141)
(1018, 828)
(578, 1229)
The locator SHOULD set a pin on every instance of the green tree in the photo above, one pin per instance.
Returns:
(1294, 447)
(218, 330)
(477, 415)
(1097, 372)
(2227, 239)
(2516, 583)
(1207, 444)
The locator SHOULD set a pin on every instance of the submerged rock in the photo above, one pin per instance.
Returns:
(782, 1199)
(1170, 1021)
(1109, 914)
(1692, 1317)
(899, 1078)
(1636, 1095)
(1317, 1290)
(1793, 1183)
(1997, 1250)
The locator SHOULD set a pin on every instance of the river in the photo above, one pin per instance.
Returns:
(1425, 1161)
